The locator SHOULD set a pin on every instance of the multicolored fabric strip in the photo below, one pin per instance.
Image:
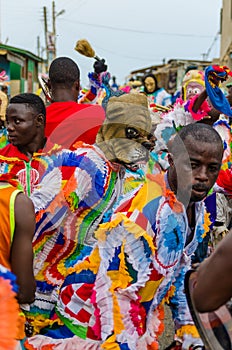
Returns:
(214, 75)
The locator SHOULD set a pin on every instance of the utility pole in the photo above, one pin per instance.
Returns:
(50, 35)
(54, 16)
(46, 33)
(54, 26)
(38, 46)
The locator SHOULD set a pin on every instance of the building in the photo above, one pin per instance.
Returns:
(226, 35)
(170, 75)
(22, 68)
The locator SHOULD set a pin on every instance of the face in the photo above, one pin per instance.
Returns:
(125, 137)
(130, 144)
(197, 169)
(150, 84)
(133, 148)
(21, 124)
(192, 89)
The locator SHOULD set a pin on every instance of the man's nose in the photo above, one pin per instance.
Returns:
(202, 174)
(9, 126)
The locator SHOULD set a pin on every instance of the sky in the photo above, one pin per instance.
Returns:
(128, 34)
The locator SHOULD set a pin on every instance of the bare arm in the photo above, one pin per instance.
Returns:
(21, 250)
(199, 100)
(213, 113)
(214, 278)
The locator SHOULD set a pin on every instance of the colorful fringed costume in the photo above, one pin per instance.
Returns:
(172, 121)
(113, 293)
(9, 310)
(70, 191)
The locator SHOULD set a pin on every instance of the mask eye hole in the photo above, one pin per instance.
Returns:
(132, 133)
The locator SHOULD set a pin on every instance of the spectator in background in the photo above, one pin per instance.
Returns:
(114, 85)
(68, 121)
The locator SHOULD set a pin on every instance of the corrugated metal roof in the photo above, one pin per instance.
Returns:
(21, 52)
(171, 63)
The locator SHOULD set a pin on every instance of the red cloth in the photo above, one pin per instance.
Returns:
(69, 122)
(224, 180)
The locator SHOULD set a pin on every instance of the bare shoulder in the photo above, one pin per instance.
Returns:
(24, 202)
(24, 209)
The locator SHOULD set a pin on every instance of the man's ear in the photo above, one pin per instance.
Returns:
(39, 120)
(77, 85)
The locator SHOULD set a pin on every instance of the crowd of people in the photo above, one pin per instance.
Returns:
(108, 198)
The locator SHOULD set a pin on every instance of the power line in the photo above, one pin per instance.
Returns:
(127, 56)
(136, 30)
(206, 55)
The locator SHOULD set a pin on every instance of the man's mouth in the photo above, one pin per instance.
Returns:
(200, 190)
(11, 137)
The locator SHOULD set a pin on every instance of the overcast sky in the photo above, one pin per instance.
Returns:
(129, 34)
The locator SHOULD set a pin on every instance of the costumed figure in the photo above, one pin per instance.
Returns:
(182, 112)
(194, 110)
(198, 104)
(154, 93)
(95, 93)
(114, 290)
(71, 191)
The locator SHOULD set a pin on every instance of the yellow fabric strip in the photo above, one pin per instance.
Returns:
(12, 213)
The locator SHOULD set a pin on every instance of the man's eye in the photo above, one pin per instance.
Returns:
(194, 165)
(132, 133)
(214, 169)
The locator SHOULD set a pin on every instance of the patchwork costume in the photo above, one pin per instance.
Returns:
(71, 192)
(113, 294)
